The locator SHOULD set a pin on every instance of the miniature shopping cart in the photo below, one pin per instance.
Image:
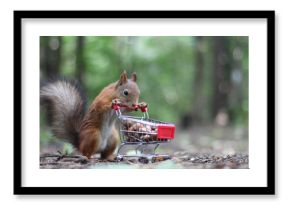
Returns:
(143, 134)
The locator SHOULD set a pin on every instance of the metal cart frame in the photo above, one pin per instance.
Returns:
(163, 133)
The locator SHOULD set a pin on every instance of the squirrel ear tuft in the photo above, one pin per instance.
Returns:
(123, 79)
(134, 77)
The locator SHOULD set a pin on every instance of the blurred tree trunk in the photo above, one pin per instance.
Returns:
(221, 74)
(51, 48)
(44, 52)
(80, 61)
(198, 52)
(197, 98)
(238, 81)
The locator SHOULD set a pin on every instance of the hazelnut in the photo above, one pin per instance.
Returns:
(142, 129)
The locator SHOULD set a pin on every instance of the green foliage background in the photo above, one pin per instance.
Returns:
(167, 69)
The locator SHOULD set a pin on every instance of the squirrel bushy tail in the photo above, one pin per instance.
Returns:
(65, 108)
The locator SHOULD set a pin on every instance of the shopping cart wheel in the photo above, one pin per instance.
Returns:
(119, 158)
(143, 160)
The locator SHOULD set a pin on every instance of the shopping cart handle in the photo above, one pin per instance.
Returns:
(117, 104)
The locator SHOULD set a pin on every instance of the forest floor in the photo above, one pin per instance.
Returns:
(198, 148)
(178, 161)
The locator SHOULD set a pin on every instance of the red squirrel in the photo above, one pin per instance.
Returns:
(93, 131)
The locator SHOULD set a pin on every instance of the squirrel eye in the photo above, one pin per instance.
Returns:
(125, 92)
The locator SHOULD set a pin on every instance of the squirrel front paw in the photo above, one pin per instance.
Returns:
(143, 105)
(116, 101)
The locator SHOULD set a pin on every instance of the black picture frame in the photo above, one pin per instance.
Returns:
(268, 190)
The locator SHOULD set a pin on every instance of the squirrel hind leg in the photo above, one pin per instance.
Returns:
(89, 143)
(113, 142)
